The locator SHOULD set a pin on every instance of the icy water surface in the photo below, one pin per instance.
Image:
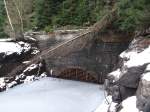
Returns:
(52, 95)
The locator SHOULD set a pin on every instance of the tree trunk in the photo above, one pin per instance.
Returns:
(19, 14)
(9, 19)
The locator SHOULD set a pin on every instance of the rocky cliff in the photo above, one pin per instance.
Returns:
(129, 83)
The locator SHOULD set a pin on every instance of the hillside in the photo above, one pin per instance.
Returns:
(49, 14)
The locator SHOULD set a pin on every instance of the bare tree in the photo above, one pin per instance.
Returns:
(19, 14)
(8, 16)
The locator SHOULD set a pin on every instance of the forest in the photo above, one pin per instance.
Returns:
(50, 14)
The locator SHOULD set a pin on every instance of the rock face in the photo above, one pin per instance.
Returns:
(143, 92)
(132, 77)
(86, 58)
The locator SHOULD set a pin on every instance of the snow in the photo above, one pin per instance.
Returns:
(2, 82)
(19, 76)
(146, 76)
(128, 55)
(11, 47)
(25, 46)
(116, 74)
(29, 79)
(31, 67)
(113, 107)
(52, 95)
(135, 58)
(35, 51)
(26, 62)
(148, 67)
(103, 107)
(129, 105)
(11, 84)
(43, 75)
(5, 40)
(30, 38)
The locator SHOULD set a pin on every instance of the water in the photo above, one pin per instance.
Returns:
(52, 95)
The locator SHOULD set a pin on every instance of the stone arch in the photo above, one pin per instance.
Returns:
(79, 74)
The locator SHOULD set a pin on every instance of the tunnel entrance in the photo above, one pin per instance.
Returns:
(78, 74)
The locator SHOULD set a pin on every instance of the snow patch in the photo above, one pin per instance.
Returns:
(9, 48)
(104, 106)
(43, 75)
(148, 67)
(29, 79)
(26, 62)
(25, 46)
(5, 40)
(136, 59)
(116, 74)
(29, 38)
(129, 105)
(11, 84)
(35, 51)
(112, 107)
(128, 55)
(31, 67)
(2, 82)
(146, 76)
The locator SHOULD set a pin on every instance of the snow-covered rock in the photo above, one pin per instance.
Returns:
(13, 49)
(136, 59)
(115, 75)
(129, 105)
(136, 56)
(30, 74)
(146, 77)
(132, 77)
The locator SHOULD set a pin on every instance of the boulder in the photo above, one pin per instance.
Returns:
(143, 92)
(131, 78)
